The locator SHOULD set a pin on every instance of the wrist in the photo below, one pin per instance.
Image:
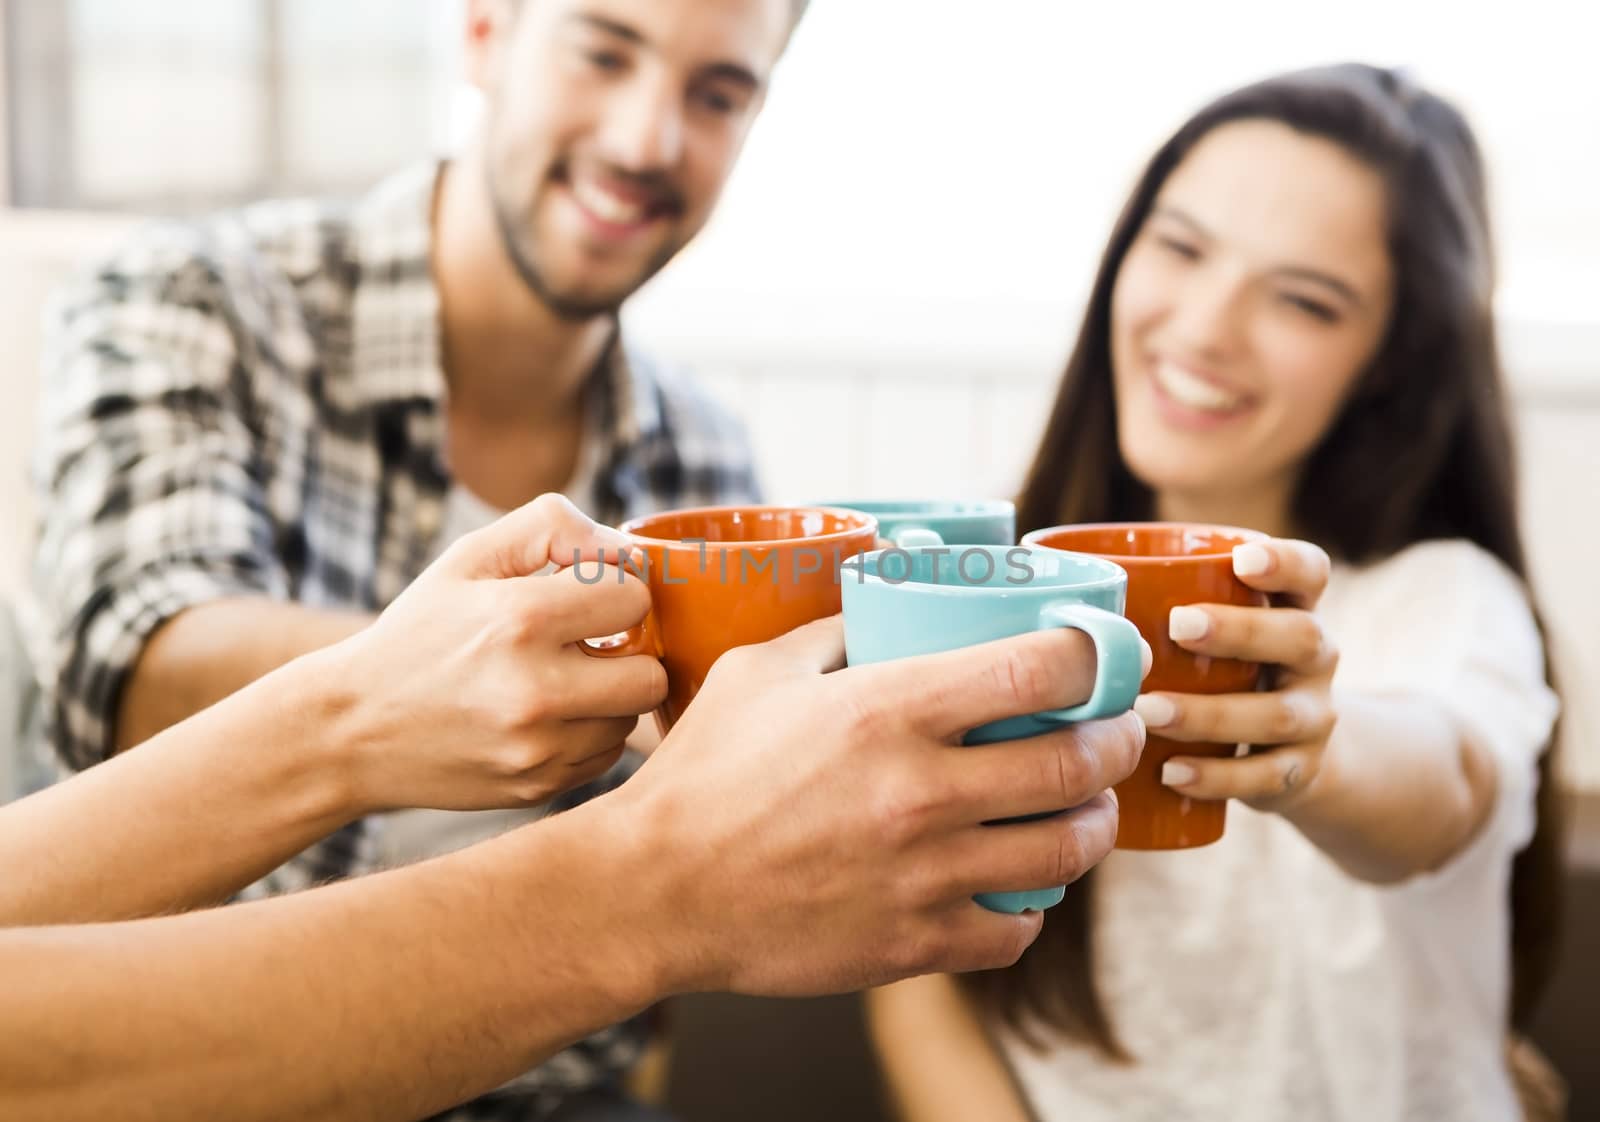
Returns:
(668, 948)
(329, 723)
(600, 879)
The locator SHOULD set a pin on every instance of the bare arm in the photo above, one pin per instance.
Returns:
(1401, 791)
(389, 997)
(939, 1063)
(467, 693)
(730, 862)
(204, 809)
(210, 651)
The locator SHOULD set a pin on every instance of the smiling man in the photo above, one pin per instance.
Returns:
(260, 428)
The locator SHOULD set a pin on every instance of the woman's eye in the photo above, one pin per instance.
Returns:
(1178, 247)
(1316, 309)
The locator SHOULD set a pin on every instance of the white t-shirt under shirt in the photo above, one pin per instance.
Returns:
(1254, 981)
(405, 836)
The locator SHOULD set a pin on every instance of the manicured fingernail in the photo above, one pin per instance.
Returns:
(1147, 659)
(1187, 624)
(1154, 710)
(1175, 773)
(1251, 561)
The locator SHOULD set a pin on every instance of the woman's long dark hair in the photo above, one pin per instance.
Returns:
(1421, 450)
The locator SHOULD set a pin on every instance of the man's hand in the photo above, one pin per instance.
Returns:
(811, 831)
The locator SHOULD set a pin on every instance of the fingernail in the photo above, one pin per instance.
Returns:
(1147, 659)
(1187, 624)
(1175, 773)
(1251, 561)
(1154, 710)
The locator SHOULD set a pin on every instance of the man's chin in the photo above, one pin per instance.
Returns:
(578, 304)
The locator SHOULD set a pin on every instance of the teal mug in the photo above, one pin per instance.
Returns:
(922, 522)
(903, 602)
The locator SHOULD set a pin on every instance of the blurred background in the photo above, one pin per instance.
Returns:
(898, 263)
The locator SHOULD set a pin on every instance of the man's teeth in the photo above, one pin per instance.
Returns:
(1197, 393)
(606, 206)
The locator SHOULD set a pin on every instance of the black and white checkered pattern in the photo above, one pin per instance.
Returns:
(253, 406)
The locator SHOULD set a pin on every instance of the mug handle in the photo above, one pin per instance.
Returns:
(637, 640)
(1119, 658)
(916, 537)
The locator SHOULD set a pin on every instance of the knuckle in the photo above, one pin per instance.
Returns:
(903, 808)
(654, 685)
(635, 595)
(1134, 737)
(1024, 679)
(1073, 855)
(1073, 766)
(736, 662)
(993, 946)
(922, 888)
(1330, 654)
(519, 709)
(1115, 746)
(1013, 943)
(922, 950)
(521, 618)
(866, 718)
(1284, 721)
(534, 707)
(1319, 565)
(1310, 646)
(530, 792)
(1327, 721)
(552, 506)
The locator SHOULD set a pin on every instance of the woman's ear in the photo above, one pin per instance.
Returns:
(489, 27)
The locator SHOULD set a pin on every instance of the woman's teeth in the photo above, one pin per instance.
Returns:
(1194, 392)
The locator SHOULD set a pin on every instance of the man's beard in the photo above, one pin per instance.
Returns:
(574, 309)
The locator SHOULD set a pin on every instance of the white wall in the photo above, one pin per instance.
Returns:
(924, 165)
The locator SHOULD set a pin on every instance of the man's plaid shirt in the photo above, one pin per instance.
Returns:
(254, 406)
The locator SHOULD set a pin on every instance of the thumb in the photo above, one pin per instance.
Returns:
(549, 530)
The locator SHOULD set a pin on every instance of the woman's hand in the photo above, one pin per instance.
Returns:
(1287, 727)
(470, 691)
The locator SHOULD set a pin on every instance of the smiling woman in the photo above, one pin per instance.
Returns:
(1245, 309)
(1291, 330)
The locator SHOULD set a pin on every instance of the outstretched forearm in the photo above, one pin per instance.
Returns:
(203, 809)
(1402, 789)
(393, 996)
(209, 652)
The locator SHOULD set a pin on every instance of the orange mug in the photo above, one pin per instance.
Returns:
(1170, 564)
(727, 576)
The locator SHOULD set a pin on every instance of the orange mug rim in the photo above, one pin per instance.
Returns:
(1034, 538)
(861, 522)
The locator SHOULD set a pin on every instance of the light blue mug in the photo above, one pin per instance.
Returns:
(903, 602)
(919, 522)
